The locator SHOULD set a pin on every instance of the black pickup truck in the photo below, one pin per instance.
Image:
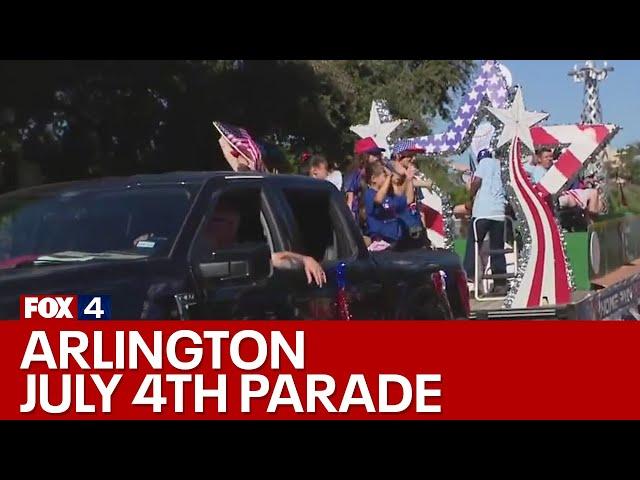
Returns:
(198, 245)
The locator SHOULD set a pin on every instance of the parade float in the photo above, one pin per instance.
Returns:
(552, 273)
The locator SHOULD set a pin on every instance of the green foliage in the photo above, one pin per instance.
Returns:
(437, 169)
(632, 195)
(629, 160)
(629, 170)
(76, 119)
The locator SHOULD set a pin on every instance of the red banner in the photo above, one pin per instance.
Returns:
(319, 370)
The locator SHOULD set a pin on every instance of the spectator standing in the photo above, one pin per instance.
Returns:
(487, 193)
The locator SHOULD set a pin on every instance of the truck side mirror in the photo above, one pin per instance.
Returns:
(249, 261)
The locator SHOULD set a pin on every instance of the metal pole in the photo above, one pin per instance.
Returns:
(591, 76)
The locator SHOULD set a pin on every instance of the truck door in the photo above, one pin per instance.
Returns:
(321, 226)
(231, 258)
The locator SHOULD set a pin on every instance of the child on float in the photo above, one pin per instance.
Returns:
(366, 151)
(408, 181)
(384, 207)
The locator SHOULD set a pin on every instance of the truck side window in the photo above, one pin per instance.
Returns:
(317, 224)
(234, 221)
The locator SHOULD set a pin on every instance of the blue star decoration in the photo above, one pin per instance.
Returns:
(489, 87)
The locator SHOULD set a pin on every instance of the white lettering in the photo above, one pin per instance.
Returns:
(313, 393)
(279, 343)
(357, 380)
(235, 350)
(422, 393)
(76, 352)
(277, 399)
(195, 353)
(247, 393)
(384, 381)
(219, 393)
(38, 337)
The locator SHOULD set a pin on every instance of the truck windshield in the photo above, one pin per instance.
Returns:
(62, 227)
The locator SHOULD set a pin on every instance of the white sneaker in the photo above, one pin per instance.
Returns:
(471, 287)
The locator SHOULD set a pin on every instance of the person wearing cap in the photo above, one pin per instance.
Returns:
(404, 154)
(405, 170)
(366, 151)
(488, 197)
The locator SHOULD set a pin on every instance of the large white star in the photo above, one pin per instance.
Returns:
(517, 121)
(376, 129)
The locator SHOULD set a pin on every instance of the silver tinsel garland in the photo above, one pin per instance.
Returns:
(522, 228)
(383, 111)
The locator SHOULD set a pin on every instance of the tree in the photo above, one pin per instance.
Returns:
(76, 119)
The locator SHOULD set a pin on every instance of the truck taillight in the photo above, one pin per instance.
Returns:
(463, 288)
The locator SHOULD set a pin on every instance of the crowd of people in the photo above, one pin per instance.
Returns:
(384, 195)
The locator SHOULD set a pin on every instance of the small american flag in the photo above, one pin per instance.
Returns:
(403, 145)
(240, 139)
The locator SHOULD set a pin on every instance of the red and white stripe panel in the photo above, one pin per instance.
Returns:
(582, 141)
(432, 208)
(545, 280)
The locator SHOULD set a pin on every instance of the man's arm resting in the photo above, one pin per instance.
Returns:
(312, 268)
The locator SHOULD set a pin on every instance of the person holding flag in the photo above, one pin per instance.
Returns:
(243, 154)
(239, 149)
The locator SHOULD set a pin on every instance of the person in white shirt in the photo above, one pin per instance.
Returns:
(319, 168)
(335, 177)
(488, 208)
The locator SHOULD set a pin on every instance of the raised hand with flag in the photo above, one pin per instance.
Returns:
(239, 149)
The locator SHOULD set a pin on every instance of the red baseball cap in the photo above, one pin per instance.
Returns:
(367, 145)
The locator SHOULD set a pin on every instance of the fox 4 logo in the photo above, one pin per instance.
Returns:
(65, 307)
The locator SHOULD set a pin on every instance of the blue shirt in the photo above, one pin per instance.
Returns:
(490, 199)
(353, 185)
(538, 172)
(410, 216)
(383, 219)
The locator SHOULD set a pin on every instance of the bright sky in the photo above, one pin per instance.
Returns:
(547, 87)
